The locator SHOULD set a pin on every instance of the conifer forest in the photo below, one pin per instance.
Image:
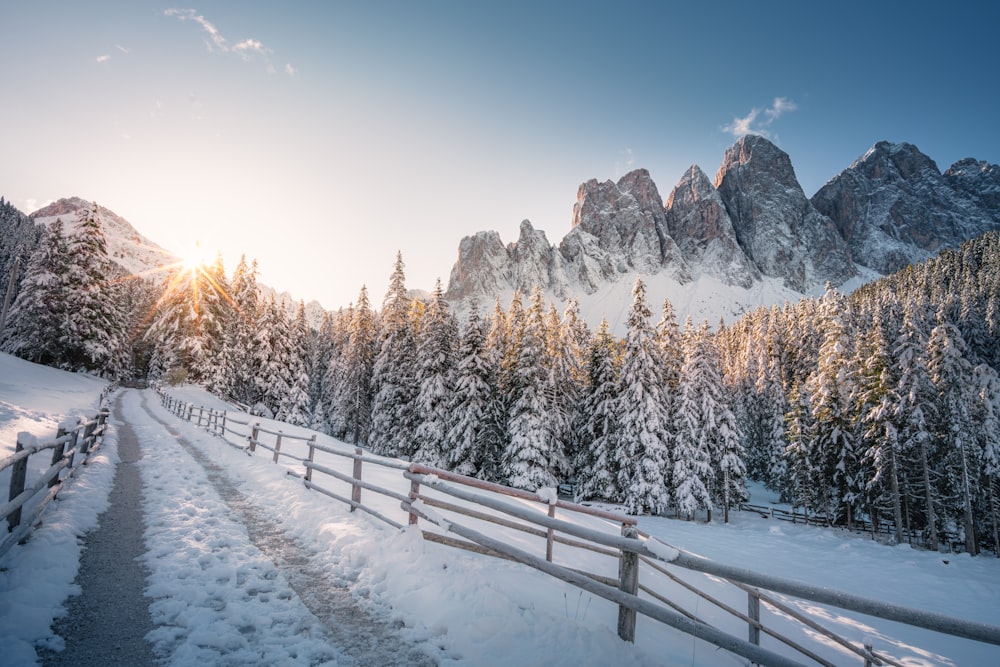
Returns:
(879, 406)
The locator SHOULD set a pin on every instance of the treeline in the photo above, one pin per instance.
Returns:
(883, 405)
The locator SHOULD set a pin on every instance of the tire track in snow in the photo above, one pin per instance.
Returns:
(367, 640)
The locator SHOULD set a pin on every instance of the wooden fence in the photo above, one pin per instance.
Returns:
(71, 448)
(634, 551)
(858, 524)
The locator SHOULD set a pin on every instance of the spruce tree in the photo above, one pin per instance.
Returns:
(642, 454)
(468, 444)
(527, 459)
(394, 383)
(596, 472)
(39, 314)
(435, 378)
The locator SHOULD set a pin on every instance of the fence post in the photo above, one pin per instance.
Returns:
(868, 655)
(57, 453)
(550, 537)
(224, 423)
(88, 435)
(72, 444)
(253, 436)
(753, 611)
(311, 458)
(414, 492)
(277, 447)
(628, 576)
(18, 472)
(355, 489)
(201, 413)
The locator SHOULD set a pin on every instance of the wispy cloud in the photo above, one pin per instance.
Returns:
(104, 58)
(248, 49)
(759, 121)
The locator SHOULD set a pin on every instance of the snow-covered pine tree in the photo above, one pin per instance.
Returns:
(916, 412)
(832, 483)
(294, 406)
(215, 313)
(574, 342)
(336, 372)
(241, 339)
(595, 464)
(693, 476)
(36, 319)
(354, 397)
(469, 444)
(394, 383)
(92, 336)
(19, 237)
(951, 374)
(528, 457)
(724, 436)
(988, 415)
(877, 437)
(435, 378)
(495, 352)
(321, 351)
(643, 451)
(271, 380)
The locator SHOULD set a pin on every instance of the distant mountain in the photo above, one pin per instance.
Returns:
(139, 255)
(126, 246)
(750, 238)
(894, 207)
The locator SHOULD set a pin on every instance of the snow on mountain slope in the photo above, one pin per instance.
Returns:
(126, 246)
(751, 238)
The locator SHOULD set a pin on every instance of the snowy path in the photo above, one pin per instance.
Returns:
(363, 639)
(106, 624)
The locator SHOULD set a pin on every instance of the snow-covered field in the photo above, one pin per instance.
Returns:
(219, 597)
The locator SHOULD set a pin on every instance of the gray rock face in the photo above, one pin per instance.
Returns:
(775, 224)
(894, 207)
(978, 181)
(483, 266)
(627, 219)
(486, 267)
(890, 208)
(697, 221)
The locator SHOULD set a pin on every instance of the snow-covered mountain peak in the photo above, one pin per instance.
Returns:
(126, 246)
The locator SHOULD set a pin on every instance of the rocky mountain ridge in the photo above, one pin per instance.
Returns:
(750, 232)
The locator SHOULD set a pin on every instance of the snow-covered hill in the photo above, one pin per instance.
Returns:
(126, 247)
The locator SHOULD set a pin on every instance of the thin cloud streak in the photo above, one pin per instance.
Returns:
(755, 123)
(247, 49)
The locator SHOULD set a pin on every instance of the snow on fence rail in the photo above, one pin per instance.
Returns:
(72, 446)
(633, 550)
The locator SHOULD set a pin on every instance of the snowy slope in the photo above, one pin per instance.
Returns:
(126, 247)
(453, 607)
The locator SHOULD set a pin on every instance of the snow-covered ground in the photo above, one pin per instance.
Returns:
(220, 597)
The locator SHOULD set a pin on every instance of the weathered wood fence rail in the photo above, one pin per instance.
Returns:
(857, 525)
(633, 550)
(72, 446)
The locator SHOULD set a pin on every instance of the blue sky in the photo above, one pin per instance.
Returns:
(321, 138)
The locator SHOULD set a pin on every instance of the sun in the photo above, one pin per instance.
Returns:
(194, 258)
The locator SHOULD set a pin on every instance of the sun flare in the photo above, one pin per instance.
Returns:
(194, 258)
